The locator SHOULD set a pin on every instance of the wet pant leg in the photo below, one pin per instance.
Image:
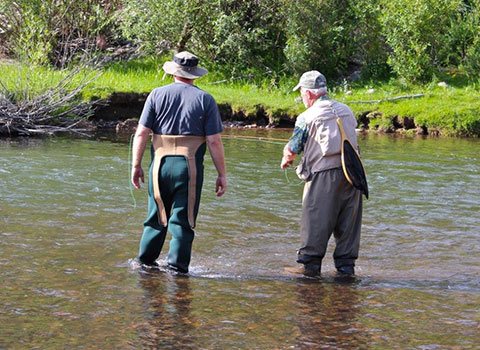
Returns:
(347, 231)
(319, 212)
(153, 236)
(180, 249)
(173, 180)
(330, 205)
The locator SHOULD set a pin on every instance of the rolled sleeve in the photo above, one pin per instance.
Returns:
(299, 137)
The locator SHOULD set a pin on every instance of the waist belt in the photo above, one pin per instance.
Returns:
(172, 145)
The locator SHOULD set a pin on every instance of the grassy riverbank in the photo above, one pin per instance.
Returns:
(449, 108)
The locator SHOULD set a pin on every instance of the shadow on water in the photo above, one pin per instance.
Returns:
(300, 313)
(167, 312)
(327, 314)
(318, 314)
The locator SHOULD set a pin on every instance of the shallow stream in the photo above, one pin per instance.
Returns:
(69, 227)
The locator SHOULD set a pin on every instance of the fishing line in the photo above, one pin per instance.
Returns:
(129, 170)
(290, 182)
(265, 140)
(256, 138)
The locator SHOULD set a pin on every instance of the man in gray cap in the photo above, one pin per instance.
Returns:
(330, 203)
(184, 121)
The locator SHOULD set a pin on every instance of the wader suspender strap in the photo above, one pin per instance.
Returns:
(172, 145)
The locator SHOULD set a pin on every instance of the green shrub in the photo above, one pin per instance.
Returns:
(415, 30)
(321, 38)
(54, 32)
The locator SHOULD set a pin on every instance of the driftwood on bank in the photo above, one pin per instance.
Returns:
(390, 99)
(56, 110)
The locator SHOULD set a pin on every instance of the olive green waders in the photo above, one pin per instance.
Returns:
(174, 188)
(330, 205)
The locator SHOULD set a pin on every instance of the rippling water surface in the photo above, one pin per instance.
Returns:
(68, 229)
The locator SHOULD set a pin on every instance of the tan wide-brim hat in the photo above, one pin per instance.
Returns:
(185, 65)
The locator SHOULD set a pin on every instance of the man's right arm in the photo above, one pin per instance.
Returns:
(139, 142)
(296, 143)
(215, 147)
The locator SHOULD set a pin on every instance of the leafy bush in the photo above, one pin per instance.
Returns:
(162, 25)
(235, 35)
(371, 51)
(465, 37)
(415, 30)
(54, 32)
(319, 36)
(248, 37)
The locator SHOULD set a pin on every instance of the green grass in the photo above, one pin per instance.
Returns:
(453, 110)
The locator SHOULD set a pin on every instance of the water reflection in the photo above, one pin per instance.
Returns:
(327, 316)
(168, 320)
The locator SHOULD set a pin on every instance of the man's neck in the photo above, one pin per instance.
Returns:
(183, 80)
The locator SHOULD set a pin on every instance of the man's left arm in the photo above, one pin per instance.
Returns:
(215, 147)
(139, 142)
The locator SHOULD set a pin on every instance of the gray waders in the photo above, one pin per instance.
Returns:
(330, 205)
(174, 188)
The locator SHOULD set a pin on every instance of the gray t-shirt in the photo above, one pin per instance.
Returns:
(181, 109)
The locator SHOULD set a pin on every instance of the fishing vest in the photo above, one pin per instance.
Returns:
(176, 145)
(322, 150)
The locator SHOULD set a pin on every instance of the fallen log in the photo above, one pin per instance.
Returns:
(390, 99)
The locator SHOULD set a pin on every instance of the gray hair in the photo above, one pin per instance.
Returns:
(320, 91)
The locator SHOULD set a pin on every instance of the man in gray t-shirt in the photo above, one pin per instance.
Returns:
(184, 121)
(181, 109)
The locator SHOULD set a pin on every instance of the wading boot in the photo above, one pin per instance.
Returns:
(176, 269)
(347, 270)
(308, 270)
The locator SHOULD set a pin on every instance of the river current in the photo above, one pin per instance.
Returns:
(70, 225)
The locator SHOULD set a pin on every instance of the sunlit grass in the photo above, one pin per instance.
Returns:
(453, 108)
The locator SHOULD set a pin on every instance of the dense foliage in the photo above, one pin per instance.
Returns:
(413, 39)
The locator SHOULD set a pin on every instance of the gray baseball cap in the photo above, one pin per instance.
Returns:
(311, 80)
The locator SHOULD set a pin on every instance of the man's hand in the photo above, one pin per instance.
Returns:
(137, 175)
(221, 185)
(288, 157)
(285, 163)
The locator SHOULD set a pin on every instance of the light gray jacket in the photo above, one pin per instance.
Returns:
(322, 150)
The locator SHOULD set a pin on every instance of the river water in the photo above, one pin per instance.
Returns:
(69, 229)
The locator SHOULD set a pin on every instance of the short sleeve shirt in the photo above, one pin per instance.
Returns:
(181, 109)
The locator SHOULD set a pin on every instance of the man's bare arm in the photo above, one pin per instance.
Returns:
(138, 148)
(215, 147)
